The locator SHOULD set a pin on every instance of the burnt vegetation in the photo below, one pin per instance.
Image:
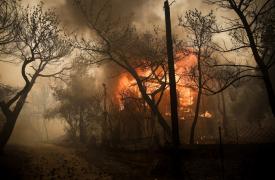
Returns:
(191, 100)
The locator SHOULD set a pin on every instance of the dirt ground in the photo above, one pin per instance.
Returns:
(46, 161)
(199, 162)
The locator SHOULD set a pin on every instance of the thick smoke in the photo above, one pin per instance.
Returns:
(133, 11)
(143, 13)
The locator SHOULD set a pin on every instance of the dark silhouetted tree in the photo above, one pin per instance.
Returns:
(199, 28)
(254, 18)
(39, 44)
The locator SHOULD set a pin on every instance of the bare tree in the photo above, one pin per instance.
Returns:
(248, 29)
(8, 22)
(119, 43)
(39, 45)
(200, 28)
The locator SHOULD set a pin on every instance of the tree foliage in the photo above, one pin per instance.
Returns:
(79, 104)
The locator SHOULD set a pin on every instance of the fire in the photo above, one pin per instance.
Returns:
(206, 114)
(186, 94)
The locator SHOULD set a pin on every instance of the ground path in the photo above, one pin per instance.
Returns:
(47, 161)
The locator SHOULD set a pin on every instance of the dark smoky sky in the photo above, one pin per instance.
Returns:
(142, 13)
(132, 11)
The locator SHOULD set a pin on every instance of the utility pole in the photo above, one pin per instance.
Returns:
(221, 153)
(105, 105)
(172, 79)
(106, 119)
(104, 130)
(175, 153)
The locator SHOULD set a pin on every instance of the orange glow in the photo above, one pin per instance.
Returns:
(206, 114)
(186, 95)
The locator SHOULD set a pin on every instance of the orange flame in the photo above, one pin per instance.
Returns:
(186, 95)
(206, 114)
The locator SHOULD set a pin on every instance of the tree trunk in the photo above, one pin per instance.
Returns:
(11, 116)
(6, 131)
(146, 97)
(197, 111)
(224, 116)
(82, 133)
(150, 102)
(259, 60)
(46, 129)
(192, 133)
(270, 90)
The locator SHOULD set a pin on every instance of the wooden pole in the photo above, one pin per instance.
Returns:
(175, 154)
(172, 79)
(221, 153)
